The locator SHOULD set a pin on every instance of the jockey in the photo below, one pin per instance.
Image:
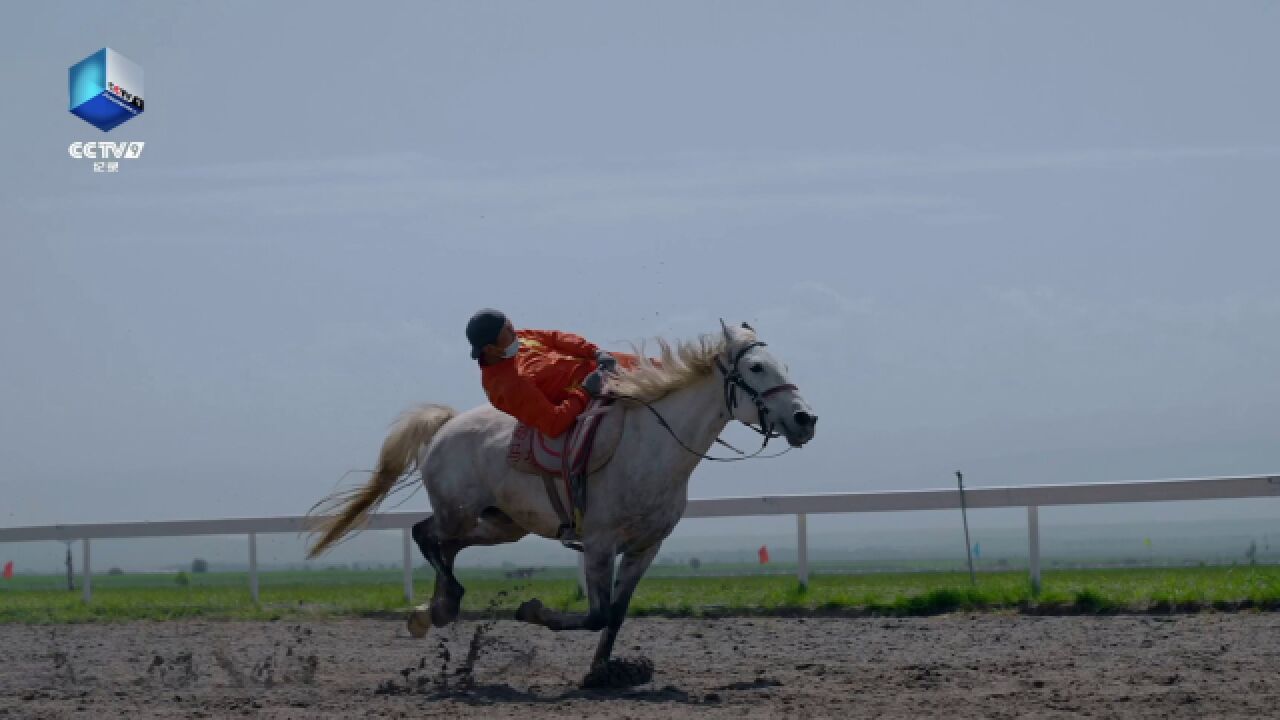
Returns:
(543, 378)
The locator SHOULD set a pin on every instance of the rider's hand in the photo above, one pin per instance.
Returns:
(594, 383)
(606, 362)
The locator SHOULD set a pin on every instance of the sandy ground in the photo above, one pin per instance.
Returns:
(954, 666)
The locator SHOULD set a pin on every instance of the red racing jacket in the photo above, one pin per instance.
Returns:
(542, 385)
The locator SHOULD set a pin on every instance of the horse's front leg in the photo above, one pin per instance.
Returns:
(631, 568)
(598, 568)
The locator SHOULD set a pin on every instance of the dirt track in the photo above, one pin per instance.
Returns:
(957, 666)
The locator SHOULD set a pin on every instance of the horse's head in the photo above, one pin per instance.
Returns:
(757, 388)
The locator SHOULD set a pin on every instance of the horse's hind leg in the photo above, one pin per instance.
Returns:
(598, 567)
(446, 600)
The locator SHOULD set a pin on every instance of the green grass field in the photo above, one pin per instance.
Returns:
(343, 592)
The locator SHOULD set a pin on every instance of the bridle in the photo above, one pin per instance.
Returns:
(733, 381)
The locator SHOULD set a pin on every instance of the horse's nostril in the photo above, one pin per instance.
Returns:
(804, 419)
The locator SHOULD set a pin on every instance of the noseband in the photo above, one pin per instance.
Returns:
(733, 381)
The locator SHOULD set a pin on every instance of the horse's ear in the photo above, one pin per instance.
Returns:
(728, 334)
(745, 326)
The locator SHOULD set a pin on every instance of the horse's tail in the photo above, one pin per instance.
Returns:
(340, 513)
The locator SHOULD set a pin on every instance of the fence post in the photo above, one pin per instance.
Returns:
(253, 566)
(802, 548)
(88, 576)
(1033, 532)
(408, 564)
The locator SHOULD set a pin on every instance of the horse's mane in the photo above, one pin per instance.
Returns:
(681, 364)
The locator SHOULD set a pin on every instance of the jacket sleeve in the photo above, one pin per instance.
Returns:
(564, 342)
(521, 399)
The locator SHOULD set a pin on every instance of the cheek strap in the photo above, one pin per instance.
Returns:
(734, 381)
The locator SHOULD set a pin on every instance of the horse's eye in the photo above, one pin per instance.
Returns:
(757, 367)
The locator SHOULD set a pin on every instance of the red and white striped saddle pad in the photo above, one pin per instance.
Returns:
(584, 449)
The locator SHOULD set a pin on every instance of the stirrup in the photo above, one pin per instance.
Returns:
(569, 538)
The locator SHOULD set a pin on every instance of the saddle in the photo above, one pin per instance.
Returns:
(570, 458)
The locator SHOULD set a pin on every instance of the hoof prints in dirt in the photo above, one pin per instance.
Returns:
(294, 665)
(178, 672)
(620, 673)
(416, 679)
(759, 683)
(63, 671)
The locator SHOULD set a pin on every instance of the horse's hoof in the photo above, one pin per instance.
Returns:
(444, 611)
(620, 673)
(529, 611)
(419, 621)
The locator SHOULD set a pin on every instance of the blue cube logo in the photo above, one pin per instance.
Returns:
(106, 89)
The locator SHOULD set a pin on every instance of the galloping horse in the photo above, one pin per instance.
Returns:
(674, 411)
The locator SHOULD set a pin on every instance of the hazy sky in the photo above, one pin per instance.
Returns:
(1035, 242)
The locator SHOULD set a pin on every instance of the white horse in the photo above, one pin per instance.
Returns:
(635, 500)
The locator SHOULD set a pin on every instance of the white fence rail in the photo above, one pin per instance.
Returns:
(1030, 497)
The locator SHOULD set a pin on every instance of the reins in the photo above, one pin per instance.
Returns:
(733, 381)
(667, 426)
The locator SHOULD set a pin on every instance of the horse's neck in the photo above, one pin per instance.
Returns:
(697, 416)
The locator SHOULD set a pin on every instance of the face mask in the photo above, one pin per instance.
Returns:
(512, 349)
